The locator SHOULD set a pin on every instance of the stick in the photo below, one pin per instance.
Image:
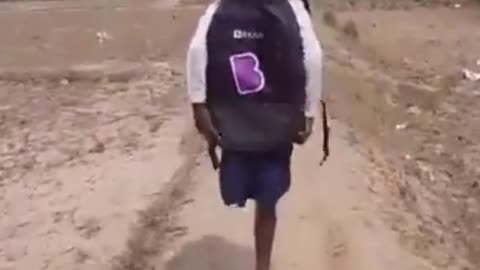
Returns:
(326, 133)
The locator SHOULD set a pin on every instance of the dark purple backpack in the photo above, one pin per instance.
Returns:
(255, 74)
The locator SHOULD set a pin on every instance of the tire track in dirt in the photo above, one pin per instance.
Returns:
(337, 248)
(156, 226)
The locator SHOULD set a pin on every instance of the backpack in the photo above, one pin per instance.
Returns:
(255, 74)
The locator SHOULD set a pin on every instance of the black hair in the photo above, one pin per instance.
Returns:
(307, 6)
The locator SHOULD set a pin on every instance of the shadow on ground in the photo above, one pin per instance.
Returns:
(212, 253)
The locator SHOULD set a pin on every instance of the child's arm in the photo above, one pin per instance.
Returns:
(196, 77)
(314, 68)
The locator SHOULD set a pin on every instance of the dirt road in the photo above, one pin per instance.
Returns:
(327, 221)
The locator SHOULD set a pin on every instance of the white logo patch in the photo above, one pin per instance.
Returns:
(242, 34)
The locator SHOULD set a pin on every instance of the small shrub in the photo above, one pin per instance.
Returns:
(350, 29)
(330, 19)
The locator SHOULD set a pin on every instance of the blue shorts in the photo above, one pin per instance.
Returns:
(261, 176)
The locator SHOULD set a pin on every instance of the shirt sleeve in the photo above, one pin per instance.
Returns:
(313, 57)
(197, 58)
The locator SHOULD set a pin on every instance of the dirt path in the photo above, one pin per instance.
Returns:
(327, 221)
(92, 172)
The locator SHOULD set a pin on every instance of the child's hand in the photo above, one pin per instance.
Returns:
(304, 135)
(203, 122)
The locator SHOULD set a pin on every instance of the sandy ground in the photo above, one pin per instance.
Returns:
(100, 167)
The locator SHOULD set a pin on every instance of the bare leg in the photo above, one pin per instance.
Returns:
(265, 224)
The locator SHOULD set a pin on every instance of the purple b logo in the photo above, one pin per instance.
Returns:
(246, 71)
